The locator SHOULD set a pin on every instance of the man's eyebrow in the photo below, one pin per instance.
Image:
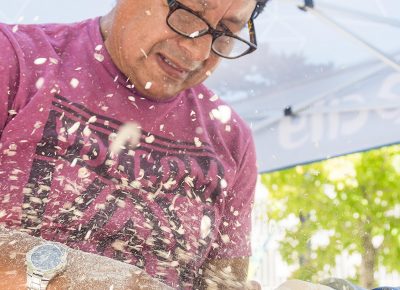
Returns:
(235, 20)
(232, 19)
(205, 5)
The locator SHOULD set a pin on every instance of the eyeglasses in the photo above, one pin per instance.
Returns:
(225, 43)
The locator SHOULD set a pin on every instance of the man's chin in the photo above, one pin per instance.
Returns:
(158, 94)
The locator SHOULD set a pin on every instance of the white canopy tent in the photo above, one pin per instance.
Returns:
(312, 90)
(303, 111)
(352, 110)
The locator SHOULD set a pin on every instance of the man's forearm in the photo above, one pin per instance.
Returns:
(83, 271)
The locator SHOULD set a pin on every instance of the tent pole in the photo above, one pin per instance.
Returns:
(309, 6)
(371, 17)
(379, 54)
(395, 106)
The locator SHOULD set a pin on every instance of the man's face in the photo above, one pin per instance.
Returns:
(158, 61)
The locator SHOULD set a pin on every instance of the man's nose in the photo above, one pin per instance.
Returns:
(198, 49)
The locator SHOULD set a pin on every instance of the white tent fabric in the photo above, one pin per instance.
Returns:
(352, 110)
(339, 97)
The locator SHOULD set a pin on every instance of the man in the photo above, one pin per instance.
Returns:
(178, 203)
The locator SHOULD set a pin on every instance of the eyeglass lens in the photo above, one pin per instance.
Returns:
(190, 25)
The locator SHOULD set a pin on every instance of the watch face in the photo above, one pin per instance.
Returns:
(46, 257)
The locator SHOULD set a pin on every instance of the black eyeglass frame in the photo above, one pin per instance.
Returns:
(215, 33)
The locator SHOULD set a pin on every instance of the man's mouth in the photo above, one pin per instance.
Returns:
(171, 68)
(171, 63)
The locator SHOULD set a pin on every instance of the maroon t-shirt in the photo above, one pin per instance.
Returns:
(182, 194)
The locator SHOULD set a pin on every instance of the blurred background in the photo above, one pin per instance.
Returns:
(324, 83)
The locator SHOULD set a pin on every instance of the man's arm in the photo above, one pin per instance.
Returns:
(223, 264)
(9, 71)
(227, 274)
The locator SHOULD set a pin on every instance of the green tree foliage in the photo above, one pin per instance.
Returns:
(354, 200)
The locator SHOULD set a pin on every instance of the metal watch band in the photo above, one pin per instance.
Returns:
(36, 282)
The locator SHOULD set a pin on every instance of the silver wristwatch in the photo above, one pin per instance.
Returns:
(43, 263)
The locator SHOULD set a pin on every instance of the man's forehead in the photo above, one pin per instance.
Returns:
(214, 4)
(204, 4)
(237, 10)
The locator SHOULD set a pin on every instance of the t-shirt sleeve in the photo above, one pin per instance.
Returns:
(234, 238)
(8, 79)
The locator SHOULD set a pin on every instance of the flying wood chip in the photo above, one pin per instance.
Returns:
(128, 133)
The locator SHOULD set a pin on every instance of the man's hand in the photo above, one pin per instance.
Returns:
(301, 285)
(253, 285)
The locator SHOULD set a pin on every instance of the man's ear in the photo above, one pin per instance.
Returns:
(106, 23)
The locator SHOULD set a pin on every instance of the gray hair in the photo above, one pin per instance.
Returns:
(259, 8)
